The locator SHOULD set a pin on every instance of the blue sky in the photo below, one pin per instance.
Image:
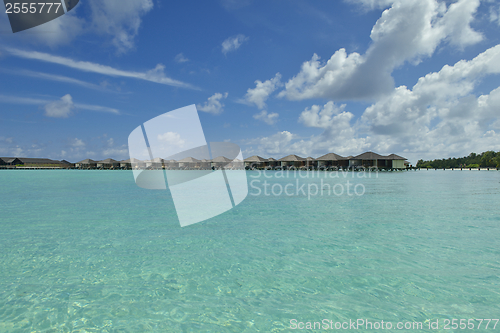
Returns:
(419, 78)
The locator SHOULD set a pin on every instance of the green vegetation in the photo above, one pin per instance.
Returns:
(488, 159)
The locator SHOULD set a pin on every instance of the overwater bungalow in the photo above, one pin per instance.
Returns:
(367, 160)
(130, 163)
(255, 162)
(11, 160)
(292, 161)
(171, 164)
(397, 162)
(374, 160)
(125, 164)
(155, 163)
(108, 163)
(86, 164)
(34, 162)
(332, 160)
(205, 164)
(311, 163)
(189, 163)
(220, 162)
(271, 163)
(237, 164)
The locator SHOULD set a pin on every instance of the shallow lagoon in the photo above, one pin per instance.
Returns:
(89, 251)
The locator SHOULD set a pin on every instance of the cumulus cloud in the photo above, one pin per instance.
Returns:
(61, 108)
(233, 43)
(321, 117)
(214, 104)
(397, 38)
(273, 145)
(268, 118)
(180, 58)
(439, 116)
(262, 90)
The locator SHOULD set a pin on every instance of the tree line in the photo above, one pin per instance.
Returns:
(487, 159)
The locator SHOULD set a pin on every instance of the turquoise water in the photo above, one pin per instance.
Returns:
(89, 251)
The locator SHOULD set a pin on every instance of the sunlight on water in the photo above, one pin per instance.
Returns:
(89, 251)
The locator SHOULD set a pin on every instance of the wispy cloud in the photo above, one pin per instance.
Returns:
(56, 108)
(53, 77)
(156, 75)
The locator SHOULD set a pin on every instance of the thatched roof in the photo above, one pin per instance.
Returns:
(11, 160)
(292, 158)
(369, 156)
(189, 160)
(108, 161)
(221, 159)
(310, 159)
(270, 159)
(330, 157)
(26, 160)
(87, 161)
(395, 157)
(255, 158)
(131, 160)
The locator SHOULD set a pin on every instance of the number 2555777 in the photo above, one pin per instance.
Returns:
(32, 8)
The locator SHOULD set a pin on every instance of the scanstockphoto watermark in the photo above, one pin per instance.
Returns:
(309, 183)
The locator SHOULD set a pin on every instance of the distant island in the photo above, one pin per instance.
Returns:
(487, 159)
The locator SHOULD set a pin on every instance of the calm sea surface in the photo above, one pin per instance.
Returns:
(89, 251)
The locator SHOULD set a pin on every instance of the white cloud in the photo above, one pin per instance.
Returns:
(233, 43)
(397, 38)
(97, 108)
(22, 100)
(268, 118)
(61, 108)
(262, 90)
(119, 19)
(171, 139)
(156, 75)
(372, 4)
(321, 117)
(58, 78)
(275, 144)
(439, 116)
(214, 104)
(456, 23)
(180, 58)
(77, 143)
